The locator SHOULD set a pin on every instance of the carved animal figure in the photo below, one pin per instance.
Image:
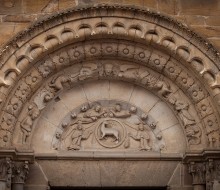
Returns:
(105, 131)
(58, 82)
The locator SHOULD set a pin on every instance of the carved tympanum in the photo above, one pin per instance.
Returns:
(108, 125)
(110, 70)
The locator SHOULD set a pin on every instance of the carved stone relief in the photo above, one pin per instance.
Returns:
(126, 72)
(106, 125)
(116, 125)
(206, 173)
(6, 172)
(133, 73)
(13, 173)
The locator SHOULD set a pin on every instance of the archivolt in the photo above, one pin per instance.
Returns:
(35, 55)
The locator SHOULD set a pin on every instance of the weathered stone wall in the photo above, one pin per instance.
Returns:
(203, 16)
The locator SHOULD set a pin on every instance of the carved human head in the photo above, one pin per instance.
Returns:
(79, 125)
(35, 114)
(108, 69)
(97, 108)
(118, 107)
(133, 109)
(172, 100)
(141, 127)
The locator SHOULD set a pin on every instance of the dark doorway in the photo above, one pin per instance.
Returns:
(108, 188)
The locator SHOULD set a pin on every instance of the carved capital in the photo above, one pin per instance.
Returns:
(20, 171)
(206, 173)
(198, 172)
(6, 171)
(212, 173)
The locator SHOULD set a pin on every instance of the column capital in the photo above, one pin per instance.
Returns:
(6, 171)
(20, 172)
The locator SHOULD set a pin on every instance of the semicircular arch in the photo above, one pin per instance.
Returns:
(161, 44)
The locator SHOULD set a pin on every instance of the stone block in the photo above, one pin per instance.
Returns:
(134, 2)
(213, 20)
(192, 19)
(187, 178)
(19, 18)
(215, 41)
(36, 177)
(207, 31)
(175, 180)
(10, 6)
(201, 7)
(19, 27)
(108, 173)
(151, 4)
(9, 29)
(35, 6)
(65, 4)
(6, 31)
(166, 6)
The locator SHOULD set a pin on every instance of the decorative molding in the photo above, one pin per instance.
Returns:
(146, 14)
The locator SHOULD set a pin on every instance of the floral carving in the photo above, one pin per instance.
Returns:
(5, 136)
(14, 106)
(33, 78)
(61, 59)
(20, 171)
(23, 91)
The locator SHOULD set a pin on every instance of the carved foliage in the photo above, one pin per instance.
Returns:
(205, 173)
(198, 171)
(6, 172)
(20, 171)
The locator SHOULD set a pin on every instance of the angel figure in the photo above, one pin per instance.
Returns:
(77, 136)
(119, 113)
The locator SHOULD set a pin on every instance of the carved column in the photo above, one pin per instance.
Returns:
(198, 172)
(20, 172)
(5, 174)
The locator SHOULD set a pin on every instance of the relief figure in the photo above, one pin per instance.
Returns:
(27, 123)
(119, 113)
(106, 130)
(94, 114)
(77, 136)
(142, 136)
